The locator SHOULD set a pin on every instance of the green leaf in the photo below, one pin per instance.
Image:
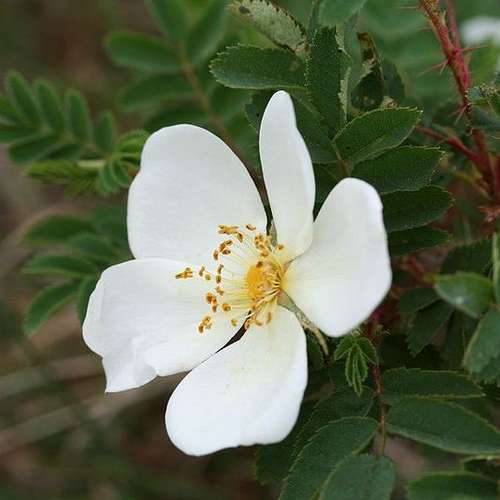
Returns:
(8, 114)
(105, 132)
(451, 485)
(170, 17)
(415, 299)
(50, 105)
(485, 344)
(55, 229)
(474, 258)
(401, 382)
(328, 447)
(326, 76)
(93, 246)
(344, 402)
(205, 36)
(404, 242)
(274, 460)
(141, 52)
(152, 89)
(360, 477)
(14, 133)
(369, 135)
(496, 266)
(443, 425)
(467, 292)
(407, 210)
(333, 12)
(78, 115)
(22, 99)
(34, 148)
(65, 265)
(486, 121)
(406, 168)
(273, 22)
(46, 303)
(426, 325)
(248, 67)
(86, 287)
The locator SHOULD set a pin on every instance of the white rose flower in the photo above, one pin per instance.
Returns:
(205, 267)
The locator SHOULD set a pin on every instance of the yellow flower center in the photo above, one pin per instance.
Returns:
(248, 278)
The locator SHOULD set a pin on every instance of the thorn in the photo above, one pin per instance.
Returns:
(440, 66)
(409, 7)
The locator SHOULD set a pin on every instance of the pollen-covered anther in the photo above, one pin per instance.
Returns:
(250, 227)
(223, 229)
(186, 274)
(201, 271)
(205, 324)
(215, 255)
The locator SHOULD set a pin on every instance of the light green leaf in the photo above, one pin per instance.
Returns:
(22, 99)
(55, 229)
(369, 135)
(404, 242)
(46, 303)
(170, 17)
(65, 265)
(451, 485)
(484, 346)
(443, 425)
(401, 382)
(407, 210)
(273, 22)
(141, 52)
(248, 67)
(426, 325)
(360, 477)
(467, 292)
(205, 36)
(326, 76)
(406, 168)
(327, 448)
(333, 12)
(415, 299)
(78, 115)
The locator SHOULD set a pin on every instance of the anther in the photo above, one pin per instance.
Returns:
(215, 255)
(250, 227)
(201, 271)
(226, 307)
(187, 273)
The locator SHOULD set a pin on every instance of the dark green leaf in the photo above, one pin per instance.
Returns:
(485, 344)
(401, 382)
(65, 265)
(326, 76)
(328, 447)
(360, 477)
(86, 287)
(407, 210)
(496, 266)
(78, 116)
(22, 99)
(443, 425)
(273, 22)
(451, 485)
(50, 105)
(255, 68)
(46, 303)
(407, 168)
(105, 132)
(56, 229)
(34, 148)
(426, 325)
(468, 292)
(141, 52)
(205, 36)
(369, 135)
(475, 258)
(8, 114)
(14, 133)
(486, 121)
(403, 242)
(93, 246)
(170, 17)
(415, 299)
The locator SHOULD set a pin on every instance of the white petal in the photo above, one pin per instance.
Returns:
(189, 183)
(346, 272)
(481, 29)
(250, 392)
(143, 322)
(288, 174)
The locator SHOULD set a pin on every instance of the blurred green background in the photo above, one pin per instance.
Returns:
(60, 436)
